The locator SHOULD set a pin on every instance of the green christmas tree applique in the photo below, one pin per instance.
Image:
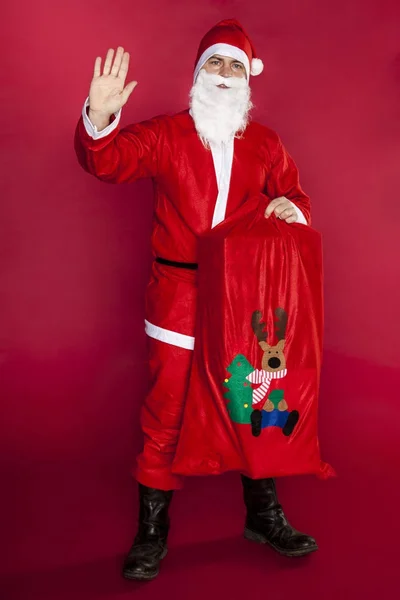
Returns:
(240, 392)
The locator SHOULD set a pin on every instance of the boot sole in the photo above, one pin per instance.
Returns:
(258, 538)
(141, 576)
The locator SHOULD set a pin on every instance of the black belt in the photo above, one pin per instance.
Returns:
(178, 265)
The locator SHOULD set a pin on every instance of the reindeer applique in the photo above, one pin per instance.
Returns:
(270, 410)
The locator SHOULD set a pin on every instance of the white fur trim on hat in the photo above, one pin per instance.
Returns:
(257, 66)
(223, 50)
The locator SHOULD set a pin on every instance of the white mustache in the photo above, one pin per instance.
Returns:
(211, 79)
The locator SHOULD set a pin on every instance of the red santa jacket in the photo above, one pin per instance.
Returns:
(168, 150)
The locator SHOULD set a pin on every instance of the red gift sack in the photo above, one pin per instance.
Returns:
(252, 402)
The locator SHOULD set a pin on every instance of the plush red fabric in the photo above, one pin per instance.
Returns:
(161, 414)
(168, 150)
(260, 297)
(230, 32)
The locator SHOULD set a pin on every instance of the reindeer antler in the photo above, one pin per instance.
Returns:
(281, 315)
(258, 326)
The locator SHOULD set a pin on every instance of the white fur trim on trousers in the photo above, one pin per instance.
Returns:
(169, 337)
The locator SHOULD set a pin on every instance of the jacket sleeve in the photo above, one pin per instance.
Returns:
(121, 156)
(283, 180)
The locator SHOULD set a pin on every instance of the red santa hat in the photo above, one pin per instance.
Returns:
(228, 38)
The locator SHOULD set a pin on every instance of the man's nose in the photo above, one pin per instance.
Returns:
(225, 71)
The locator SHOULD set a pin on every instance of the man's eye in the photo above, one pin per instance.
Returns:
(238, 66)
(215, 62)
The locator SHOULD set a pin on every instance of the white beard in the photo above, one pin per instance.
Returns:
(219, 114)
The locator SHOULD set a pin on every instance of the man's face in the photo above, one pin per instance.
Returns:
(225, 67)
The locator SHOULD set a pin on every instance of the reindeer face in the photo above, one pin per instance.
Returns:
(273, 358)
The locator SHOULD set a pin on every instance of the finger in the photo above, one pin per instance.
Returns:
(271, 207)
(128, 91)
(291, 219)
(117, 61)
(123, 70)
(281, 210)
(97, 67)
(286, 213)
(108, 62)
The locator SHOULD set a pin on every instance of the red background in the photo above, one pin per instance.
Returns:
(74, 260)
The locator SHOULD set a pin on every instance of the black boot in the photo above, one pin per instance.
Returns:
(266, 522)
(150, 545)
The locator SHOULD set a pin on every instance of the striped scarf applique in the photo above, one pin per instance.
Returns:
(264, 378)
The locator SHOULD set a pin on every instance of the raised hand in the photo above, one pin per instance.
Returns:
(108, 92)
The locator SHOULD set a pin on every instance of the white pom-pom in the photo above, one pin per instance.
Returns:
(257, 66)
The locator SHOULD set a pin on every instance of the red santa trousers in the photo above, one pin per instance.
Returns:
(171, 305)
(252, 400)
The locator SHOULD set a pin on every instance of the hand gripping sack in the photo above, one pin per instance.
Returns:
(252, 401)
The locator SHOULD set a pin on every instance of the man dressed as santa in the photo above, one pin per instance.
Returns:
(204, 162)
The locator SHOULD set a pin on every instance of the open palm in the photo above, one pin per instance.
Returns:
(108, 92)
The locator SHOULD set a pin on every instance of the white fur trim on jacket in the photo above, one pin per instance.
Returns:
(92, 129)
